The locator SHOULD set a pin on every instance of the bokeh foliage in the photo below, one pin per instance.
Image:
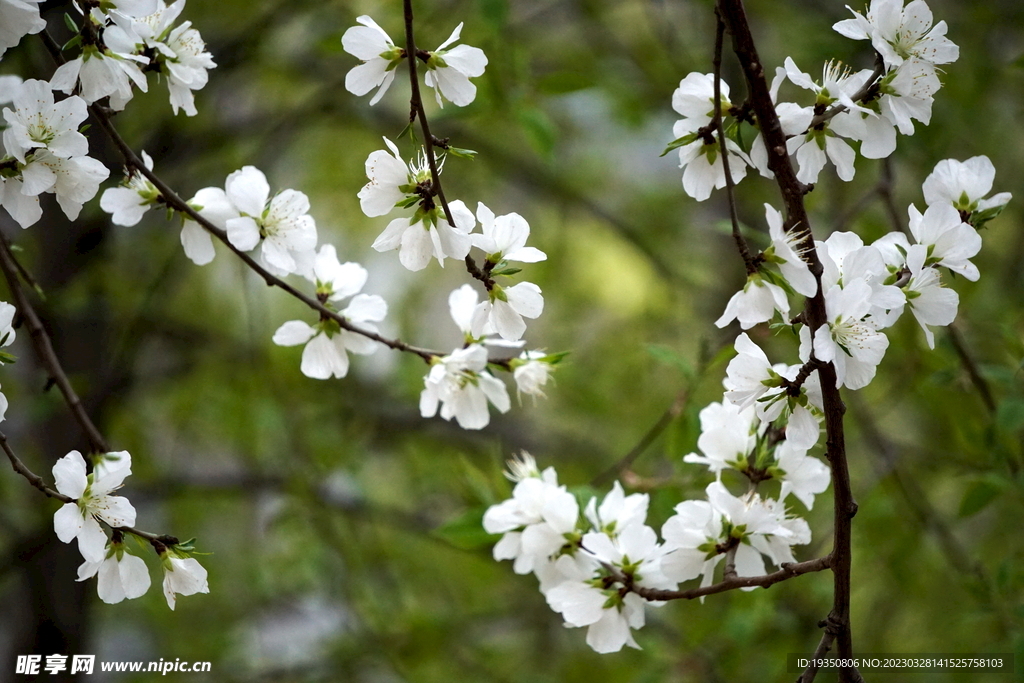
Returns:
(344, 528)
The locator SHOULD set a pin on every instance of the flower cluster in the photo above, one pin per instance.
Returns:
(599, 567)
(120, 45)
(120, 573)
(864, 107)
(595, 563)
(459, 385)
(448, 68)
(44, 152)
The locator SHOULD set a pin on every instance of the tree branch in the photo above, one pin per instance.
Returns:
(174, 201)
(37, 481)
(734, 16)
(44, 349)
(416, 102)
(730, 187)
(827, 638)
(788, 571)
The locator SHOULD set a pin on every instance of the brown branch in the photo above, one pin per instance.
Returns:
(827, 638)
(33, 478)
(730, 186)
(734, 16)
(416, 102)
(37, 481)
(174, 201)
(788, 571)
(44, 349)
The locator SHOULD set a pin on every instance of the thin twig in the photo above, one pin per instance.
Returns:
(33, 478)
(729, 573)
(416, 102)
(174, 201)
(824, 646)
(44, 349)
(741, 243)
(37, 481)
(844, 506)
(788, 571)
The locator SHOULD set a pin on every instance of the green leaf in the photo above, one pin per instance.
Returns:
(980, 494)
(409, 130)
(466, 531)
(679, 142)
(70, 23)
(461, 153)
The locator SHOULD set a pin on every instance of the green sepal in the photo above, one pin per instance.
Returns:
(461, 153)
(679, 142)
(506, 272)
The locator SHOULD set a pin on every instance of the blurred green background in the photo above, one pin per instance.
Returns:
(343, 528)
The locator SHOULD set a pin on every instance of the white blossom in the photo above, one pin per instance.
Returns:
(928, 300)
(179, 52)
(901, 33)
(848, 340)
(282, 225)
(92, 502)
(503, 238)
(755, 303)
(699, 155)
(23, 208)
(449, 70)
(786, 251)
(424, 236)
(727, 435)
(37, 122)
(183, 576)
(108, 70)
(949, 240)
(378, 54)
(18, 18)
(459, 385)
(845, 259)
(617, 511)
(211, 203)
(74, 181)
(505, 308)
(128, 203)
(821, 143)
(906, 94)
(586, 598)
(802, 475)
(391, 180)
(531, 372)
(540, 505)
(964, 184)
(121, 575)
(327, 343)
(7, 331)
